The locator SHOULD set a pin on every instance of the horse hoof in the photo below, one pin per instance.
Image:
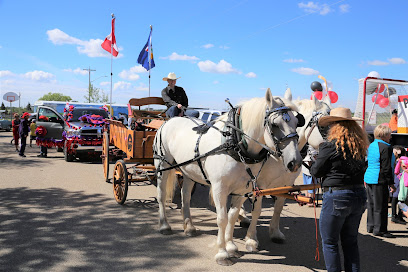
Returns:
(191, 232)
(244, 224)
(225, 262)
(235, 254)
(277, 240)
(251, 245)
(165, 231)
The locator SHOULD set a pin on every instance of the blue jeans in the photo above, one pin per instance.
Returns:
(340, 218)
(174, 111)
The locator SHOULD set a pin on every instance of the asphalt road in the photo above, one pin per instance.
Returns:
(59, 216)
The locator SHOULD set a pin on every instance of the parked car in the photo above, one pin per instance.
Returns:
(81, 138)
(5, 124)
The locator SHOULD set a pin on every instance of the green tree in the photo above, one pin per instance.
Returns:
(28, 108)
(2, 106)
(96, 95)
(55, 97)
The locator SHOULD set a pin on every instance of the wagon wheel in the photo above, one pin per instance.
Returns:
(105, 155)
(120, 182)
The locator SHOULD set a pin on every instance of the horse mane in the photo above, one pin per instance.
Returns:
(253, 112)
(306, 105)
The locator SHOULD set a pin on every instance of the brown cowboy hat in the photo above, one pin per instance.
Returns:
(336, 115)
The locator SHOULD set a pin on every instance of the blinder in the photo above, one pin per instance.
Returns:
(301, 120)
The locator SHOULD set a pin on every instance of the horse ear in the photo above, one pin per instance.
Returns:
(269, 98)
(288, 94)
(315, 101)
(326, 100)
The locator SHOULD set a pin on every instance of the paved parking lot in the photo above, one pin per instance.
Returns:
(59, 216)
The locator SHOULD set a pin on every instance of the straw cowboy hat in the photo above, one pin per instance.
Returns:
(337, 114)
(171, 76)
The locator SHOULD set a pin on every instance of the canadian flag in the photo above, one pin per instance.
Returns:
(110, 40)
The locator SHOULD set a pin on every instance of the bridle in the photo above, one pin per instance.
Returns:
(269, 124)
(314, 122)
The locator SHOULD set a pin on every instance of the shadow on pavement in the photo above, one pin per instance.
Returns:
(45, 229)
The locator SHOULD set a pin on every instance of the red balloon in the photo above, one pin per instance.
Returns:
(380, 96)
(382, 88)
(383, 102)
(317, 94)
(333, 97)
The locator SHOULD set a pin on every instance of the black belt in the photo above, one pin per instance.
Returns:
(344, 187)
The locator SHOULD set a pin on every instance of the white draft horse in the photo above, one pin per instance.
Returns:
(268, 122)
(272, 176)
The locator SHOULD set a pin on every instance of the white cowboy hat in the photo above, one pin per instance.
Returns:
(337, 114)
(171, 76)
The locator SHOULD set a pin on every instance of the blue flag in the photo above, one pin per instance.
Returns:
(144, 54)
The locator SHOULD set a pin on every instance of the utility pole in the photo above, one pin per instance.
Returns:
(89, 86)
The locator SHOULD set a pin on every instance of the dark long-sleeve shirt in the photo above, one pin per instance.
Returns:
(24, 128)
(174, 97)
(334, 169)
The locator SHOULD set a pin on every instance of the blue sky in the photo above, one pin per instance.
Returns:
(220, 49)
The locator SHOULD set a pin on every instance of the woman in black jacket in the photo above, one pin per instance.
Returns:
(341, 165)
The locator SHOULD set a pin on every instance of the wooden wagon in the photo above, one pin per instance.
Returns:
(132, 146)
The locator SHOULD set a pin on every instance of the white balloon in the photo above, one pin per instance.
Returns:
(374, 74)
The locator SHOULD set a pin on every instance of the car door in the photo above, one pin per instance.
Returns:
(54, 123)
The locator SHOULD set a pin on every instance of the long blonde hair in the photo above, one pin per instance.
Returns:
(351, 134)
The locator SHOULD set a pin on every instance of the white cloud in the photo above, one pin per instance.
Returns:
(104, 83)
(207, 46)
(305, 71)
(39, 76)
(77, 71)
(91, 48)
(132, 73)
(293, 60)
(175, 56)
(397, 61)
(1, 47)
(344, 8)
(216, 82)
(222, 67)
(377, 63)
(251, 75)
(312, 7)
(127, 86)
(224, 47)
(8, 81)
(122, 85)
(6, 73)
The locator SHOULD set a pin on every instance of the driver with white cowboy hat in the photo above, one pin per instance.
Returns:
(176, 99)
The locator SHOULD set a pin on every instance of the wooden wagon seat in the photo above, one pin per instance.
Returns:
(147, 114)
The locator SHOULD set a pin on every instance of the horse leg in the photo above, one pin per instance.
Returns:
(162, 182)
(243, 219)
(251, 239)
(220, 201)
(233, 213)
(189, 229)
(274, 233)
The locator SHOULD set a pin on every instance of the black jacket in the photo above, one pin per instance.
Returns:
(334, 169)
(24, 128)
(172, 98)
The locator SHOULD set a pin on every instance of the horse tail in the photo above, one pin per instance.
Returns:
(170, 184)
(211, 197)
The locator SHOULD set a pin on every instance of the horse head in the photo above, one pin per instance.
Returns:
(280, 134)
(312, 110)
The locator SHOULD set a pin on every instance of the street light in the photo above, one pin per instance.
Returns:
(98, 78)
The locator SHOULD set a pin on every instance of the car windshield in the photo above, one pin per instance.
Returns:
(80, 112)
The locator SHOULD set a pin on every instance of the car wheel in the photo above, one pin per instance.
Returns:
(68, 157)
(8, 129)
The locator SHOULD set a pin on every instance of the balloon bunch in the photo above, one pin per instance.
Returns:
(317, 89)
(379, 99)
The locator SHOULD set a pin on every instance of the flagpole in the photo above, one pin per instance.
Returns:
(110, 103)
(150, 59)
